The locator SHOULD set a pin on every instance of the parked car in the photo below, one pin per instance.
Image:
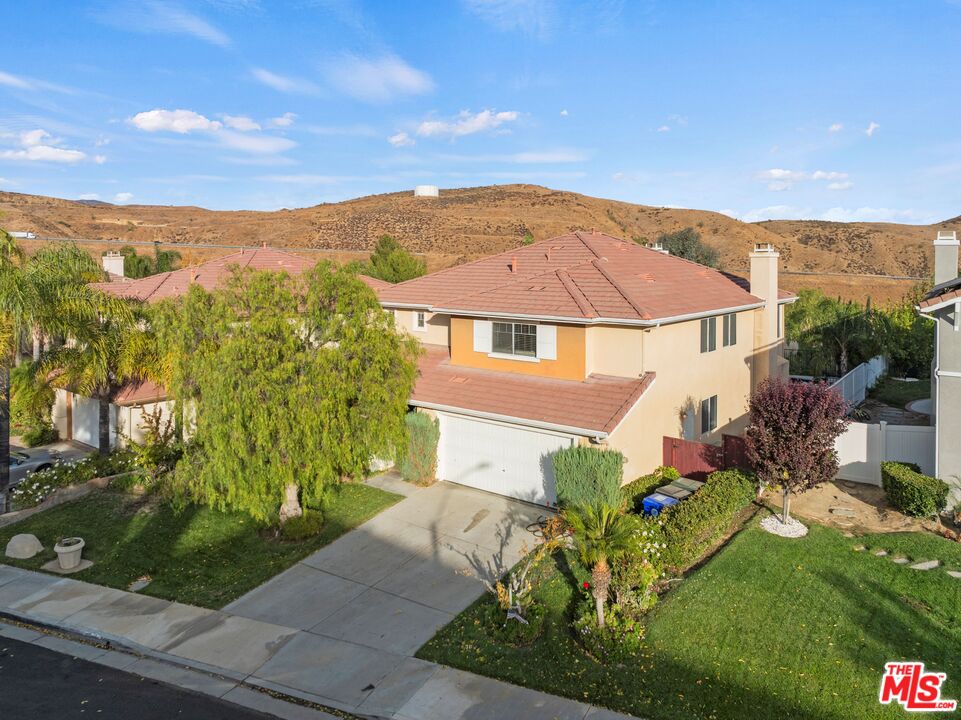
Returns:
(23, 464)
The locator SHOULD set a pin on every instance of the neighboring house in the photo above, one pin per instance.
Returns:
(76, 417)
(943, 304)
(585, 339)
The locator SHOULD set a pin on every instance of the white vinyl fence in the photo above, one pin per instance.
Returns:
(863, 447)
(854, 385)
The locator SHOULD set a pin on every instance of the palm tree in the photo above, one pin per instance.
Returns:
(602, 535)
(107, 350)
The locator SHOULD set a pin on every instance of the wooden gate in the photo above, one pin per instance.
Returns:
(697, 460)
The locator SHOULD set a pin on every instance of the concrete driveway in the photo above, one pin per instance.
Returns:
(391, 583)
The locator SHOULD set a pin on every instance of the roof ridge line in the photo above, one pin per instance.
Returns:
(575, 292)
(617, 286)
(587, 243)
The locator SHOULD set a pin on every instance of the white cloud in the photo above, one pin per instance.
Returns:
(101, 141)
(154, 16)
(13, 81)
(401, 139)
(664, 128)
(872, 128)
(846, 185)
(122, 197)
(564, 113)
(257, 144)
(100, 159)
(178, 121)
(241, 123)
(780, 179)
(38, 145)
(377, 80)
(466, 123)
(285, 120)
(283, 83)
(835, 127)
(774, 212)
(872, 214)
(531, 17)
(88, 196)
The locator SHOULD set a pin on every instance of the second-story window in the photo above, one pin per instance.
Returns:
(420, 321)
(730, 329)
(708, 334)
(515, 339)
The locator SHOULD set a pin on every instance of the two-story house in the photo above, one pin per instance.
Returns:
(943, 305)
(585, 339)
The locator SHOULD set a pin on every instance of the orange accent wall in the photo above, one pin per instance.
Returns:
(571, 354)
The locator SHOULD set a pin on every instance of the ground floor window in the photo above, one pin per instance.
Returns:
(709, 414)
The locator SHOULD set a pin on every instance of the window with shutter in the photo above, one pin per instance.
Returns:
(708, 334)
(514, 339)
(708, 414)
(730, 329)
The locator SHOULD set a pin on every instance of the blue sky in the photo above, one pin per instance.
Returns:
(826, 110)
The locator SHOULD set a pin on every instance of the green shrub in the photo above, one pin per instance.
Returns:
(694, 524)
(618, 643)
(588, 476)
(419, 463)
(911, 492)
(304, 526)
(39, 435)
(37, 486)
(31, 400)
(514, 631)
(636, 490)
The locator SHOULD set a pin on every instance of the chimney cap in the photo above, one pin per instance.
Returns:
(764, 248)
(946, 237)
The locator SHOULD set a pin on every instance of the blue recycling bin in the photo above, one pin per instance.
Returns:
(657, 503)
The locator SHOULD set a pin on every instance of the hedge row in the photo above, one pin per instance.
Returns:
(911, 492)
(587, 475)
(419, 463)
(696, 523)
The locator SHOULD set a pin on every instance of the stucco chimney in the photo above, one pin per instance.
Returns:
(945, 256)
(113, 263)
(767, 332)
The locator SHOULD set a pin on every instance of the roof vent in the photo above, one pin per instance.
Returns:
(947, 235)
(514, 264)
(764, 247)
(647, 277)
(458, 379)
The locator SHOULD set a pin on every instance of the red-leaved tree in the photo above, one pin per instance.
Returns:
(790, 441)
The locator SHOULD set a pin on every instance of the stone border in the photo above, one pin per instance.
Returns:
(60, 496)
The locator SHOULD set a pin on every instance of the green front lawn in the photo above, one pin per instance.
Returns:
(769, 628)
(899, 393)
(200, 556)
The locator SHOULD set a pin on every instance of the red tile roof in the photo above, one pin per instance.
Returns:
(581, 276)
(140, 393)
(595, 405)
(944, 293)
(210, 275)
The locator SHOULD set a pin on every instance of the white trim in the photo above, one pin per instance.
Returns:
(511, 420)
(949, 373)
(939, 306)
(419, 328)
(634, 406)
(508, 356)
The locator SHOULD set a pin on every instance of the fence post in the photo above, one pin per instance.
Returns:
(882, 451)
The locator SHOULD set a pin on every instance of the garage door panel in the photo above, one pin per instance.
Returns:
(503, 459)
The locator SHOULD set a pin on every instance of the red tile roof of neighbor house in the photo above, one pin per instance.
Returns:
(945, 293)
(581, 276)
(596, 404)
(140, 393)
(211, 274)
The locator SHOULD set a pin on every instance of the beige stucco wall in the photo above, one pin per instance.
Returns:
(438, 326)
(569, 365)
(615, 350)
(684, 377)
(130, 419)
(59, 415)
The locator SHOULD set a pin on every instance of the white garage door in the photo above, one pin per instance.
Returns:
(86, 421)
(503, 459)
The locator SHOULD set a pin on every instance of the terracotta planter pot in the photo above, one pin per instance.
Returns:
(68, 552)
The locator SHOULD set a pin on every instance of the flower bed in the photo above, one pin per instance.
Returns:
(38, 486)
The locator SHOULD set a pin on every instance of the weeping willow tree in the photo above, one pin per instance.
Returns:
(289, 386)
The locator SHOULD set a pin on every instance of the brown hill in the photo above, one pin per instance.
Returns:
(466, 223)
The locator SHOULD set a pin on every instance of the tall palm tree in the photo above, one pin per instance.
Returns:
(107, 350)
(602, 535)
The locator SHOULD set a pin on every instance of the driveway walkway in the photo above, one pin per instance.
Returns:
(339, 628)
(394, 581)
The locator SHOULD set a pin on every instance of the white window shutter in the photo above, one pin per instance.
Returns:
(483, 334)
(547, 342)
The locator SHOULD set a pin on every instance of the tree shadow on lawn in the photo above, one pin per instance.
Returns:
(897, 627)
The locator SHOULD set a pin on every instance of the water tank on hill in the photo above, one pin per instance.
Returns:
(426, 191)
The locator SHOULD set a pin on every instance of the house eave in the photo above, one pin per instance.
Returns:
(513, 420)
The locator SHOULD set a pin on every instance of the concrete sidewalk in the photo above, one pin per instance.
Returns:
(335, 672)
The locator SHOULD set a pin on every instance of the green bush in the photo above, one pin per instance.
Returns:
(694, 524)
(39, 435)
(37, 486)
(419, 463)
(588, 476)
(636, 490)
(618, 643)
(911, 492)
(305, 526)
(513, 631)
